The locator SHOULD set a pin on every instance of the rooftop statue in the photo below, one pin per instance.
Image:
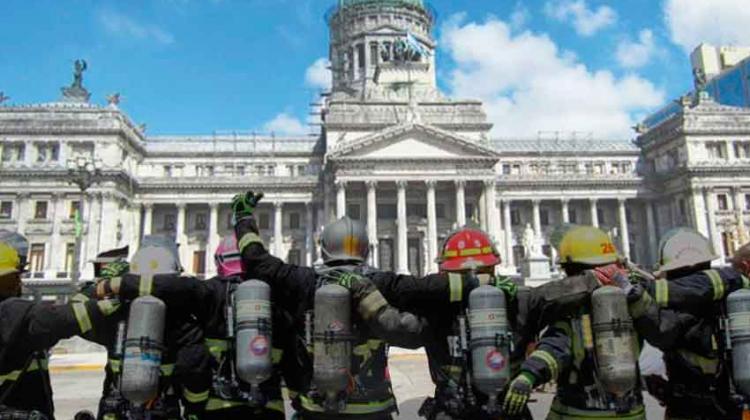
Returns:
(76, 92)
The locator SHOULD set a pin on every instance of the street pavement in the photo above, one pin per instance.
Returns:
(79, 388)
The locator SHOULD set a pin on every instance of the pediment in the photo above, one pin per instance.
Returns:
(412, 142)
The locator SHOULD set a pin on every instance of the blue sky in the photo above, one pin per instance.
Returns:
(194, 66)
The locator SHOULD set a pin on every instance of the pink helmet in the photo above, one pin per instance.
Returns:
(227, 257)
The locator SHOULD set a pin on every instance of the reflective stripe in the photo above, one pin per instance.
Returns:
(194, 397)
(352, 408)
(716, 283)
(662, 292)
(745, 282)
(110, 417)
(365, 350)
(467, 252)
(146, 285)
(549, 360)
(455, 283)
(82, 316)
(15, 374)
(248, 239)
(706, 365)
(79, 297)
(216, 347)
(276, 355)
(114, 365)
(559, 411)
(640, 306)
(215, 404)
(371, 304)
(114, 283)
(107, 306)
(167, 370)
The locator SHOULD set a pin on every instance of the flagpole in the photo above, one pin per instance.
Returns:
(83, 173)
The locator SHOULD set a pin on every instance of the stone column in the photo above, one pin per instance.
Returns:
(699, 212)
(594, 212)
(148, 217)
(278, 236)
(536, 218)
(135, 227)
(213, 238)
(372, 221)
(624, 234)
(180, 235)
(28, 159)
(432, 246)
(340, 199)
(108, 222)
(653, 234)
(22, 212)
(508, 234)
(403, 254)
(739, 210)
(564, 204)
(482, 209)
(493, 218)
(460, 203)
(713, 229)
(309, 242)
(53, 261)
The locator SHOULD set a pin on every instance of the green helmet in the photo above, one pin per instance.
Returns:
(344, 240)
(683, 247)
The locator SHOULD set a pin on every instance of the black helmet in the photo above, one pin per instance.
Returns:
(344, 240)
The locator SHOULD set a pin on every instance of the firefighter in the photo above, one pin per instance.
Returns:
(566, 351)
(28, 331)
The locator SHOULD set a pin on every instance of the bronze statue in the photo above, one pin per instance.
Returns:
(80, 67)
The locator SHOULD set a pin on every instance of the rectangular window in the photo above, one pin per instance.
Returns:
(294, 257)
(36, 258)
(716, 150)
(544, 217)
(440, 210)
(294, 220)
(170, 221)
(572, 215)
(515, 217)
(167, 170)
(416, 210)
(73, 209)
(40, 211)
(70, 252)
(6, 209)
(200, 221)
(600, 216)
(199, 262)
(240, 170)
(270, 170)
(469, 211)
(515, 169)
(374, 54)
(353, 211)
(506, 169)
(264, 221)
(386, 255)
(386, 211)
(722, 201)
(302, 170)
(747, 201)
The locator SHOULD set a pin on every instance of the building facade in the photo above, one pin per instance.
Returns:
(393, 152)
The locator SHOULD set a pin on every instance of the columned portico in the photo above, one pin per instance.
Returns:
(493, 217)
(509, 258)
(624, 234)
(309, 241)
(652, 233)
(536, 218)
(710, 198)
(372, 221)
(432, 246)
(460, 203)
(403, 254)
(565, 209)
(213, 238)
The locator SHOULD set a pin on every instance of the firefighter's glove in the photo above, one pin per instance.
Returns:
(243, 205)
(614, 275)
(518, 394)
(115, 269)
(506, 285)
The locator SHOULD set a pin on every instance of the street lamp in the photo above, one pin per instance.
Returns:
(83, 173)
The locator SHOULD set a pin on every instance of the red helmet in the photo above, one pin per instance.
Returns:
(468, 249)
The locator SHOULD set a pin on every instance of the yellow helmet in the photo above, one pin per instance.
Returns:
(587, 245)
(9, 261)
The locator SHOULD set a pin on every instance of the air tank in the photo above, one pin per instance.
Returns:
(252, 325)
(142, 352)
(331, 343)
(738, 311)
(615, 341)
(490, 341)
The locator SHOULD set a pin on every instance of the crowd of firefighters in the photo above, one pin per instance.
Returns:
(234, 346)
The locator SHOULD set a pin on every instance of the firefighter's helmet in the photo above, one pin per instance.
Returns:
(344, 240)
(9, 261)
(683, 247)
(587, 245)
(153, 260)
(468, 249)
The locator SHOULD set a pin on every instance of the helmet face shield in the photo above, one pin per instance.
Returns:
(154, 260)
(344, 240)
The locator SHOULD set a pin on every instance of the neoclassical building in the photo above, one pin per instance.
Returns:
(393, 151)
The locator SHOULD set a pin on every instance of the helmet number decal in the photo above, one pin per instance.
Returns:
(608, 248)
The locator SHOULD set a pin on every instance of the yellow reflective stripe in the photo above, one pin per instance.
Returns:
(716, 283)
(82, 316)
(215, 404)
(276, 355)
(366, 349)
(15, 374)
(351, 408)
(216, 347)
(167, 370)
(146, 285)
(79, 297)
(451, 253)
(107, 306)
(248, 239)
(455, 284)
(114, 365)
(662, 292)
(114, 283)
(745, 282)
(549, 360)
(194, 397)
(559, 411)
(110, 417)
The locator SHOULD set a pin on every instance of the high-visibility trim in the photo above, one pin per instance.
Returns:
(167, 370)
(707, 365)
(82, 316)
(107, 306)
(351, 407)
(248, 239)
(640, 306)
(215, 404)
(745, 282)
(217, 347)
(114, 365)
(194, 397)
(146, 285)
(467, 252)
(366, 349)
(560, 411)
(549, 360)
(79, 297)
(716, 283)
(110, 417)
(661, 290)
(455, 285)
(371, 304)
(15, 374)
(276, 355)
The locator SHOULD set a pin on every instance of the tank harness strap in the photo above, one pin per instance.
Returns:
(708, 366)
(365, 350)
(549, 360)
(248, 239)
(82, 316)
(115, 282)
(455, 284)
(35, 365)
(371, 304)
(79, 297)
(108, 306)
(661, 290)
(640, 306)
(716, 283)
(559, 411)
(114, 365)
(352, 407)
(216, 404)
(146, 284)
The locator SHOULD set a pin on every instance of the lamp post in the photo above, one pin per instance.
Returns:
(83, 173)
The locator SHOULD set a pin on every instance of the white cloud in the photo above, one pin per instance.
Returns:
(520, 16)
(318, 75)
(284, 124)
(585, 21)
(122, 25)
(529, 85)
(634, 54)
(718, 22)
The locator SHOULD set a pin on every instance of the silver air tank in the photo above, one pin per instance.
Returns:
(252, 325)
(141, 366)
(615, 341)
(490, 341)
(331, 343)
(738, 311)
